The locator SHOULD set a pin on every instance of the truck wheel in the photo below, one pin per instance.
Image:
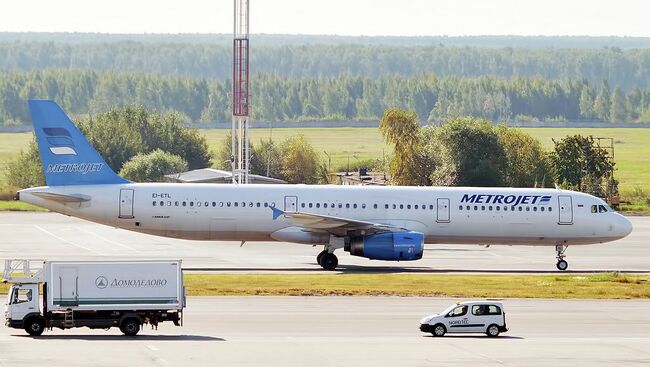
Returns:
(492, 331)
(35, 326)
(130, 326)
(439, 330)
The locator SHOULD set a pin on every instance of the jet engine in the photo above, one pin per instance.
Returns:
(395, 246)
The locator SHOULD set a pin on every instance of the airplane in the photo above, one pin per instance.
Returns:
(385, 223)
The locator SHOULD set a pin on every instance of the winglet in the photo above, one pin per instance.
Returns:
(276, 212)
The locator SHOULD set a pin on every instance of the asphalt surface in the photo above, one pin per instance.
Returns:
(57, 237)
(350, 331)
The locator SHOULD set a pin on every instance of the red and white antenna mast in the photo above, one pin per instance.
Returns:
(240, 94)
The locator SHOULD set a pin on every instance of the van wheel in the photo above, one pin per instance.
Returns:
(35, 326)
(439, 330)
(492, 331)
(130, 326)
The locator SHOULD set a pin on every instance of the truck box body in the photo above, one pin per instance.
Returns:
(114, 285)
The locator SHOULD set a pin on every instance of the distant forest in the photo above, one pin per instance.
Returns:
(333, 78)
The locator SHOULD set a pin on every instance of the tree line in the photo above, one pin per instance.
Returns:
(624, 67)
(278, 98)
(466, 151)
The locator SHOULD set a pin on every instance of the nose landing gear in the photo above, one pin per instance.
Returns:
(561, 263)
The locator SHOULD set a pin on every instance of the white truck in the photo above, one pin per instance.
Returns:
(94, 294)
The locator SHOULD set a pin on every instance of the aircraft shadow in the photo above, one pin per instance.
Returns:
(396, 270)
(123, 337)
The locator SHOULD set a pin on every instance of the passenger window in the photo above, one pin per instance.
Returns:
(521, 208)
(460, 207)
(490, 208)
(198, 203)
(214, 203)
(375, 206)
(206, 203)
(363, 206)
(527, 208)
(467, 207)
(266, 205)
(184, 203)
(458, 311)
(221, 204)
(498, 208)
(541, 209)
(416, 206)
(550, 209)
(401, 206)
(302, 205)
(485, 310)
(311, 205)
(250, 204)
(175, 203)
(260, 205)
(505, 208)
(475, 207)
(408, 206)
(386, 206)
(347, 206)
(154, 203)
(243, 204)
(534, 208)
(354, 206)
(236, 204)
(431, 207)
(340, 205)
(483, 207)
(162, 203)
(394, 206)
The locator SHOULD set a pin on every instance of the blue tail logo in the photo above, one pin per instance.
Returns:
(68, 158)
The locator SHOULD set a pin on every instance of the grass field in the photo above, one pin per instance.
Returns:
(632, 146)
(614, 286)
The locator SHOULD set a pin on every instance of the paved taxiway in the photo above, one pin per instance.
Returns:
(54, 236)
(351, 331)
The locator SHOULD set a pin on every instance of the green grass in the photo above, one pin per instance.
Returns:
(18, 206)
(610, 286)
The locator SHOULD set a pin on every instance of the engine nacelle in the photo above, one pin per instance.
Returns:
(396, 246)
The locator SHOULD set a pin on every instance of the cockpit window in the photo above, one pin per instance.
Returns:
(594, 208)
(602, 209)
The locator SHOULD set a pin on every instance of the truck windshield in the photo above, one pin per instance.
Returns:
(10, 297)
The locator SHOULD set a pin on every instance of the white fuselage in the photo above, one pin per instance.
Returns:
(458, 215)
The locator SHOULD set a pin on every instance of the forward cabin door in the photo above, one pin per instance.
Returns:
(566, 209)
(443, 211)
(290, 204)
(126, 203)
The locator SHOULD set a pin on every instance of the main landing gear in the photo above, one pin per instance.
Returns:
(327, 260)
(561, 263)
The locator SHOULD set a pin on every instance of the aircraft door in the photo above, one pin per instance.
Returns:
(442, 215)
(290, 203)
(126, 203)
(566, 209)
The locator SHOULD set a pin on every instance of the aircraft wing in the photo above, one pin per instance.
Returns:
(334, 225)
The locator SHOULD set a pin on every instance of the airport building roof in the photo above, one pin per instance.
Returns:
(211, 175)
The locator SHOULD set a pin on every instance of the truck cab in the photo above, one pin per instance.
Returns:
(22, 304)
(467, 317)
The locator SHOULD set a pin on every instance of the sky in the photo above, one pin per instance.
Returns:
(341, 17)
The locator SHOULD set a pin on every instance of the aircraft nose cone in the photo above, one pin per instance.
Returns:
(624, 226)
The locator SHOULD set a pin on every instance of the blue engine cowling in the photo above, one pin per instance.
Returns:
(395, 246)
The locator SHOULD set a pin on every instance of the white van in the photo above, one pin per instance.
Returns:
(467, 317)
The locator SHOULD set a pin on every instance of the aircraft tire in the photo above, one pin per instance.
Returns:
(562, 265)
(320, 256)
(329, 261)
